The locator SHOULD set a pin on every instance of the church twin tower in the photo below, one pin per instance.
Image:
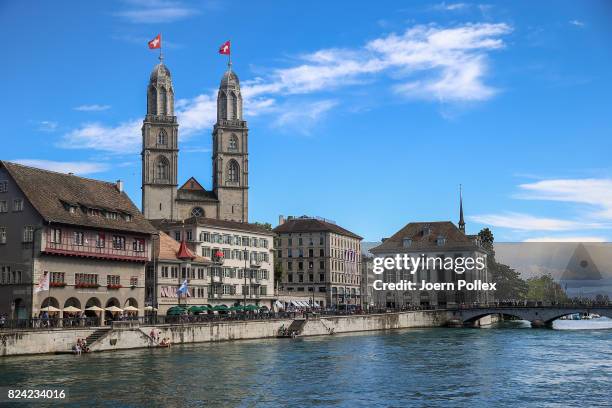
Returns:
(161, 199)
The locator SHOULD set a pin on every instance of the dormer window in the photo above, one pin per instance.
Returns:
(407, 242)
(128, 217)
(111, 215)
(441, 241)
(426, 230)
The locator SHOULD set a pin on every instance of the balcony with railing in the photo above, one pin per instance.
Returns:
(95, 244)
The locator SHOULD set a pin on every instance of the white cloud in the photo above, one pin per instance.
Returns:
(81, 168)
(450, 6)
(526, 222)
(577, 23)
(567, 239)
(450, 64)
(425, 61)
(47, 126)
(92, 108)
(301, 117)
(156, 11)
(122, 139)
(593, 192)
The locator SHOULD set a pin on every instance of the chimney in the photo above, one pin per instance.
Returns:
(281, 220)
(120, 186)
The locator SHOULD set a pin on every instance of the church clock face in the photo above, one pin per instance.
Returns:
(584, 264)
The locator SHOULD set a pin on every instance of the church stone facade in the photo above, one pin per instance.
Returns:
(161, 196)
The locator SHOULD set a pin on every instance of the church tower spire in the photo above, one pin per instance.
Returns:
(461, 220)
(159, 147)
(230, 151)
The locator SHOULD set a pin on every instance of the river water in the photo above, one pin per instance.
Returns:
(506, 365)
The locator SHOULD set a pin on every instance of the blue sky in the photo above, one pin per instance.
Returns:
(368, 113)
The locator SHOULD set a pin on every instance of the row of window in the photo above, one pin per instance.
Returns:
(215, 271)
(17, 205)
(96, 212)
(227, 239)
(8, 277)
(336, 278)
(321, 289)
(89, 279)
(300, 266)
(300, 253)
(237, 254)
(79, 238)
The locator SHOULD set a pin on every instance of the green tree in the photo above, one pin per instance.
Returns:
(265, 225)
(545, 289)
(510, 286)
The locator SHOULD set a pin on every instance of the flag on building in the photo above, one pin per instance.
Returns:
(182, 290)
(155, 43)
(225, 48)
(43, 283)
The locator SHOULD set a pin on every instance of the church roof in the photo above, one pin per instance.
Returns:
(54, 194)
(193, 185)
(424, 236)
(192, 190)
(160, 71)
(229, 79)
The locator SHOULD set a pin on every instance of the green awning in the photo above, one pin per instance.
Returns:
(237, 308)
(251, 308)
(176, 311)
(220, 308)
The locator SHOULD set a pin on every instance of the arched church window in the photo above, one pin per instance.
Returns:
(162, 102)
(162, 169)
(234, 107)
(197, 212)
(162, 138)
(233, 143)
(232, 171)
(222, 105)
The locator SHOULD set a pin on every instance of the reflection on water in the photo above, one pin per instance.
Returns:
(508, 366)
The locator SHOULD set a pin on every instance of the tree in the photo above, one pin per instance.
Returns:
(265, 225)
(510, 286)
(545, 289)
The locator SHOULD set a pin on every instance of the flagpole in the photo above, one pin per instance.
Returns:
(229, 56)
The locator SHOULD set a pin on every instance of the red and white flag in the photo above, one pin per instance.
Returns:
(43, 283)
(225, 48)
(155, 43)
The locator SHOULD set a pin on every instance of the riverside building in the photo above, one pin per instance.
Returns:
(319, 260)
(86, 236)
(172, 263)
(239, 267)
(436, 240)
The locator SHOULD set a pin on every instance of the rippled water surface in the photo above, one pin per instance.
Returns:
(509, 366)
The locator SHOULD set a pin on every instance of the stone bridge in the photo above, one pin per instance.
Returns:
(539, 316)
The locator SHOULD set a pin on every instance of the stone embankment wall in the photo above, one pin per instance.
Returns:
(58, 341)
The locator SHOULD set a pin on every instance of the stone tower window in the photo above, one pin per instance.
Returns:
(234, 100)
(162, 138)
(232, 171)
(223, 105)
(162, 169)
(162, 102)
(233, 143)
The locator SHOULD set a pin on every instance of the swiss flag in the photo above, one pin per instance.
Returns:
(155, 43)
(225, 48)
